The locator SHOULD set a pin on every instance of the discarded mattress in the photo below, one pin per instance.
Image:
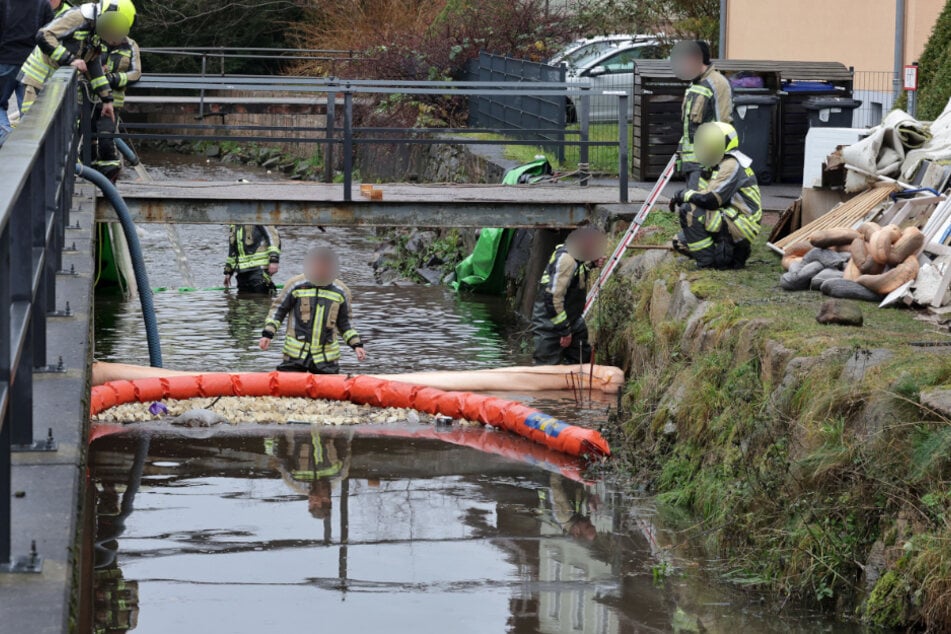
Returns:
(362, 390)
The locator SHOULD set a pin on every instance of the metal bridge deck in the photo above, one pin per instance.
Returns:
(296, 203)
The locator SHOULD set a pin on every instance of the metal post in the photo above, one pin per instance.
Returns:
(5, 351)
(201, 93)
(622, 142)
(329, 152)
(584, 117)
(913, 100)
(899, 46)
(85, 129)
(348, 146)
(724, 13)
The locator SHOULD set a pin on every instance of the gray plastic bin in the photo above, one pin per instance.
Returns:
(831, 112)
(754, 121)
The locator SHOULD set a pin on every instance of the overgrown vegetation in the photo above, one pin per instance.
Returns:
(807, 458)
(228, 23)
(934, 69)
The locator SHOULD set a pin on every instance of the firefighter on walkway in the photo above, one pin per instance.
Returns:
(78, 38)
(254, 255)
(561, 335)
(60, 7)
(709, 98)
(720, 220)
(123, 67)
(317, 310)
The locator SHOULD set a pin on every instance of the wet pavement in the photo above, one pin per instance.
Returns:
(265, 529)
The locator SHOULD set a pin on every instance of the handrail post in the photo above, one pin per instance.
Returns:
(201, 94)
(584, 119)
(348, 145)
(329, 152)
(6, 255)
(622, 144)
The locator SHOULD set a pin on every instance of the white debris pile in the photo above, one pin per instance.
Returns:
(267, 409)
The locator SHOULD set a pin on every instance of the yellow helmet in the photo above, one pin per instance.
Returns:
(713, 140)
(114, 18)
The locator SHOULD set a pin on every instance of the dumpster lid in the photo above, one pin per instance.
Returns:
(821, 103)
(740, 99)
(833, 72)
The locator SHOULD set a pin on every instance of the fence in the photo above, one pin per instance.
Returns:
(541, 117)
(341, 96)
(220, 60)
(35, 194)
(877, 91)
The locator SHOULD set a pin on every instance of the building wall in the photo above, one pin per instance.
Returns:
(859, 33)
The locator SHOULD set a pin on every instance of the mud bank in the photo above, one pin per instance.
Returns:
(814, 458)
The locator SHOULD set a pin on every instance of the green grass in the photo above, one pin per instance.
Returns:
(602, 159)
(791, 480)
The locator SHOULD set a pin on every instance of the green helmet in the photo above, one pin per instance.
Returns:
(114, 18)
(713, 140)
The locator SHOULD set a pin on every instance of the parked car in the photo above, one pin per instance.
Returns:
(612, 71)
(580, 50)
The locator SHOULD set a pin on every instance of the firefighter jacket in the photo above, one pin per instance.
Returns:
(731, 195)
(123, 67)
(561, 298)
(63, 8)
(314, 315)
(252, 247)
(69, 37)
(708, 98)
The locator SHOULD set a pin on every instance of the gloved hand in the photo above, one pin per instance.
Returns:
(676, 200)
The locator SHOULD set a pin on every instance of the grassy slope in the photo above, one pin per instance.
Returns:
(799, 484)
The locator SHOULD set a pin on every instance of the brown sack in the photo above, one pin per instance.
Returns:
(852, 272)
(909, 244)
(881, 243)
(789, 260)
(869, 229)
(885, 283)
(828, 238)
(800, 248)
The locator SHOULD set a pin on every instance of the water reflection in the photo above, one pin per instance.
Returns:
(296, 528)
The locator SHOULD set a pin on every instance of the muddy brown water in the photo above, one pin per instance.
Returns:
(276, 529)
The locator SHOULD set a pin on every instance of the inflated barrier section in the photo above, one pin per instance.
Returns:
(362, 390)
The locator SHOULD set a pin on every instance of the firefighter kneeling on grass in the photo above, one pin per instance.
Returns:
(316, 309)
(720, 220)
(561, 335)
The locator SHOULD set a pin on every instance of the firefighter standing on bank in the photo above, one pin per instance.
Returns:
(719, 220)
(78, 38)
(561, 335)
(254, 256)
(709, 98)
(123, 67)
(317, 312)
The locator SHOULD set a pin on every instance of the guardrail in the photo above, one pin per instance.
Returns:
(35, 196)
(344, 133)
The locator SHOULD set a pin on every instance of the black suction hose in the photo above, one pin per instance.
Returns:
(127, 151)
(135, 251)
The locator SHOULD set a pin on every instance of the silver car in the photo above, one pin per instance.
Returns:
(612, 71)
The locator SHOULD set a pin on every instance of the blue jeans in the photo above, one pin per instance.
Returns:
(9, 86)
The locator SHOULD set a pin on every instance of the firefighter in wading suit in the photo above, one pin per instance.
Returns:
(123, 67)
(78, 38)
(561, 335)
(709, 98)
(720, 220)
(317, 310)
(254, 254)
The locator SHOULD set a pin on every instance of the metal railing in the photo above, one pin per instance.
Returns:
(214, 60)
(876, 91)
(35, 196)
(340, 130)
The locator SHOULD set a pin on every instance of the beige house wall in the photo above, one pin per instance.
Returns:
(859, 33)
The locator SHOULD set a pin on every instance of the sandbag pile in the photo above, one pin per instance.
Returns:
(866, 263)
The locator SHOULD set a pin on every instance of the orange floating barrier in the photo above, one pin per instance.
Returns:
(509, 415)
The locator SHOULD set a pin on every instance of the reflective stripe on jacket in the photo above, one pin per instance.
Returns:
(708, 98)
(314, 315)
(69, 37)
(252, 247)
(123, 67)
